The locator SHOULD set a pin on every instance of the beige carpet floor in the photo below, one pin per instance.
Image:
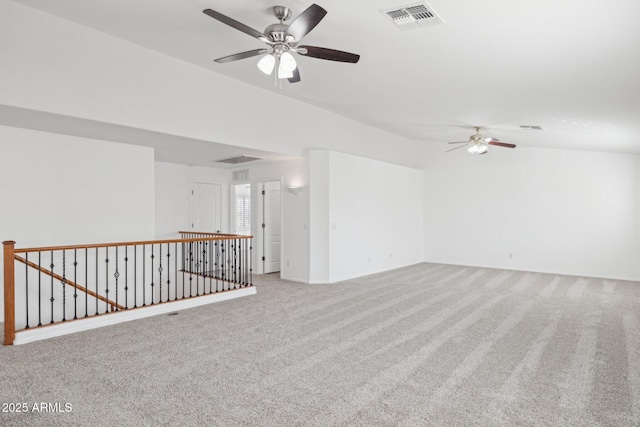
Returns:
(427, 345)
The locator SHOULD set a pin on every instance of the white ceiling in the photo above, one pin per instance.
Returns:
(566, 65)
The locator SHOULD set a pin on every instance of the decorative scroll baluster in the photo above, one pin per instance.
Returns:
(168, 273)
(234, 247)
(64, 286)
(116, 275)
(223, 265)
(190, 269)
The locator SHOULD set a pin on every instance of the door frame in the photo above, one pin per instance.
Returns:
(258, 231)
(221, 210)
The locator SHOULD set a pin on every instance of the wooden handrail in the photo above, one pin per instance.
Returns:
(70, 283)
(139, 243)
(9, 293)
(208, 234)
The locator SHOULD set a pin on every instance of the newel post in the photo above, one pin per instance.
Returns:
(9, 292)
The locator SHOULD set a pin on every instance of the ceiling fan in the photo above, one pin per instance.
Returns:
(478, 143)
(282, 40)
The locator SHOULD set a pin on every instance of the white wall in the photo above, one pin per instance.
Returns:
(319, 216)
(295, 214)
(559, 211)
(173, 184)
(370, 213)
(61, 190)
(49, 64)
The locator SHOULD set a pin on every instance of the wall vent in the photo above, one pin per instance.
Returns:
(413, 16)
(238, 159)
(241, 175)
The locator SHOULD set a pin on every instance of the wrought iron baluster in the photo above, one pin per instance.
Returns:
(64, 285)
(190, 269)
(216, 261)
(175, 271)
(39, 288)
(86, 281)
(160, 273)
(52, 297)
(234, 249)
(26, 284)
(152, 276)
(75, 283)
(106, 276)
(117, 276)
(126, 277)
(223, 261)
(168, 273)
(97, 281)
(144, 271)
(240, 262)
(135, 277)
(198, 264)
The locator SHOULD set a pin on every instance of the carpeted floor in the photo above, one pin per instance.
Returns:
(427, 345)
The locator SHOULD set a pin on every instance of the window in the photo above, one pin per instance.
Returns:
(242, 204)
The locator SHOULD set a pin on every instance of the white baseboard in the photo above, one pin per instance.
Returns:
(69, 327)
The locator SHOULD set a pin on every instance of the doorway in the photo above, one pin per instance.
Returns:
(271, 226)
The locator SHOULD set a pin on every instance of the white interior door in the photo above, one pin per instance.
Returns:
(271, 226)
(205, 207)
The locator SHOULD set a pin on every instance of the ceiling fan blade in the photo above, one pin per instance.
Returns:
(329, 54)
(305, 22)
(460, 146)
(502, 144)
(488, 140)
(296, 76)
(235, 24)
(458, 142)
(241, 55)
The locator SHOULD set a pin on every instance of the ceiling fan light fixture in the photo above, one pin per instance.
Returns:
(476, 148)
(286, 66)
(267, 64)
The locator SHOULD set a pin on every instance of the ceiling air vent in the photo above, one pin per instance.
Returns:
(242, 175)
(413, 16)
(530, 127)
(238, 159)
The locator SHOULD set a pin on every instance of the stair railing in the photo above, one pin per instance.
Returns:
(49, 285)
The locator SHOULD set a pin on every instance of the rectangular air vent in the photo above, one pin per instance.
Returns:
(238, 159)
(242, 175)
(530, 127)
(413, 16)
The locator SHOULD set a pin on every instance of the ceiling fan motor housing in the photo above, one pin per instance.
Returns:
(276, 32)
(282, 13)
